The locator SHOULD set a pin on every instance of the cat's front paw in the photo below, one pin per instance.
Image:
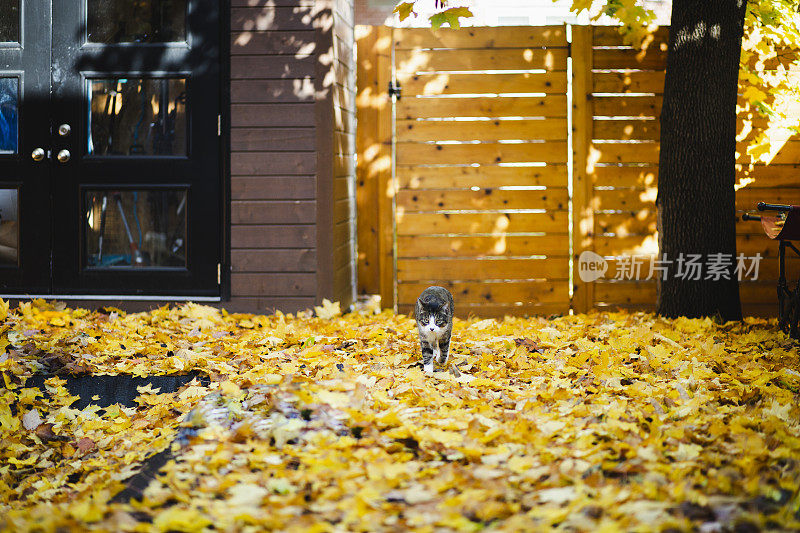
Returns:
(428, 368)
(442, 360)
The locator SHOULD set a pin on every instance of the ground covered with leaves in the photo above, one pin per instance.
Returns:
(606, 422)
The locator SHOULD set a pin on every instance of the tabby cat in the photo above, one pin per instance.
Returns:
(434, 314)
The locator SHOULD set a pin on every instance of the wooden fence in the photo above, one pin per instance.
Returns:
(479, 184)
(480, 168)
(623, 91)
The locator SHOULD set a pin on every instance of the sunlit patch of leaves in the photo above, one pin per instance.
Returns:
(606, 422)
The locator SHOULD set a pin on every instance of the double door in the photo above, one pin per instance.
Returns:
(110, 178)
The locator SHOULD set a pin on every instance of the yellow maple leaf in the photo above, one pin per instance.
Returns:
(246, 495)
(87, 510)
(328, 309)
(450, 16)
(230, 389)
(754, 94)
(759, 150)
(179, 519)
(404, 10)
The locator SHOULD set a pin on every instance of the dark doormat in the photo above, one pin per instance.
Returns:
(120, 388)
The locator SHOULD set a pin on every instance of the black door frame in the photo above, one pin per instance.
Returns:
(206, 54)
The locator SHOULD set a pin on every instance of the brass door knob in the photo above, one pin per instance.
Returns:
(63, 156)
(38, 154)
(64, 130)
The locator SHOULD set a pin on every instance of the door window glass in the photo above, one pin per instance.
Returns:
(9, 227)
(144, 117)
(135, 228)
(135, 21)
(9, 21)
(9, 104)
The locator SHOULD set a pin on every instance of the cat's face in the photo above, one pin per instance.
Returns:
(433, 322)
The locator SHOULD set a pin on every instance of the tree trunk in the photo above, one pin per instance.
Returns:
(696, 204)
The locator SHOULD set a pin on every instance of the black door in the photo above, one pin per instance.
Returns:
(24, 130)
(131, 166)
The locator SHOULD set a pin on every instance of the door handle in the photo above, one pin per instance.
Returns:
(64, 129)
(38, 154)
(63, 156)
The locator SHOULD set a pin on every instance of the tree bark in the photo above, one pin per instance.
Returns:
(696, 202)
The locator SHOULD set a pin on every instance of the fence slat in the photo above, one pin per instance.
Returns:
(385, 200)
(479, 83)
(617, 176)
(615, 58)
(472, 223)
(484, 200)
(611, 36)
(544, 106)
(481, 130)
(498, 245)
(481, 269)
(634, 293)
(770, 176)
(630, 245)
(458, 177)
(626, 129)
(499, 311)
(748, 197)
(367, 116)
(610, 152)
(484, 153)
(639, 223)
(374, 184)
(497, 37)
(582, 221)
(632, 200)
(627, 106)
(628, 82)
(526, 292)
(414, 61)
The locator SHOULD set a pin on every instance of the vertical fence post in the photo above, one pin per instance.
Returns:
(386, 187)
(366, 183)
(374, 189)
(582, 189)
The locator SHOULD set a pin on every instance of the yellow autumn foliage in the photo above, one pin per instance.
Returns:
(605, 422)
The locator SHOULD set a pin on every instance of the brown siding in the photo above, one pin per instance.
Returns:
(300, 236)
(266, 187)
(291, 137)
(273, 163)
(287, 260)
